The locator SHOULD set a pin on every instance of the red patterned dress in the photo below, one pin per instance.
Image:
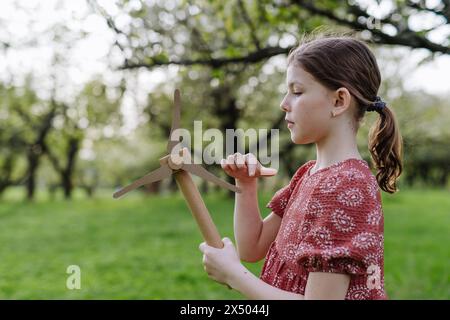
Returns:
(332, 221)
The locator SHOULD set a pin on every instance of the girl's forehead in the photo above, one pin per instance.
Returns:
(297, 75)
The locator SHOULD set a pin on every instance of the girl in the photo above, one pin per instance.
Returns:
(324, 236)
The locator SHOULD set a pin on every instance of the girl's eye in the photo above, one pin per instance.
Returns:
(297, 93)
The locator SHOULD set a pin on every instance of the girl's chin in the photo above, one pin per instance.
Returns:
(297, 139)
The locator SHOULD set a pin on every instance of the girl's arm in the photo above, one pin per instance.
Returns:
(223, 265)
(327, 286)
(253, 235)
(320, 286)
(252, 287)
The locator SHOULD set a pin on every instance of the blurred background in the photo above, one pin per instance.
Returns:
(86, 93)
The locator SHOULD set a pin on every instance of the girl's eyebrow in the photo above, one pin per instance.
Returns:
(294, 82)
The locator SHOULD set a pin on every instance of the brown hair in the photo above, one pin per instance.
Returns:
(344, 61)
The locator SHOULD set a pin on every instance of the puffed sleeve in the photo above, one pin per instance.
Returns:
(281, 198)
(344, 225)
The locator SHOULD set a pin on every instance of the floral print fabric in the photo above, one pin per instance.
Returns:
(332, 221)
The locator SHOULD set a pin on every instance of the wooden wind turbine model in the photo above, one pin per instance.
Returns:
(180, 165)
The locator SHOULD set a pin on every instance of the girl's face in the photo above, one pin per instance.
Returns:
(308, 105)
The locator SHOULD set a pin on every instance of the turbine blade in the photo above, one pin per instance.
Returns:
(201, 172)
(158, 174)
(175, 119)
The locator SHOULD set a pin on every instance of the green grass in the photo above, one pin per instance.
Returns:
(147, 248)
(417, 244)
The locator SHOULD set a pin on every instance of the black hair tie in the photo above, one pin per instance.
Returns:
(377, 105)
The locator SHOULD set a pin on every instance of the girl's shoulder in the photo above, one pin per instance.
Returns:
(355, 170)
(281, 198)
(346, 174)
(349, 170)
(303, 170)
(300, 173)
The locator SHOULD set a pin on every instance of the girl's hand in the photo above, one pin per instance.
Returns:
(245, 168)
(221, 264)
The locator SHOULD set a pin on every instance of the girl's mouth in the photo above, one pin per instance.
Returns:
(290, 124)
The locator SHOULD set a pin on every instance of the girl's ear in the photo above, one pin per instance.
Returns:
(342, 100)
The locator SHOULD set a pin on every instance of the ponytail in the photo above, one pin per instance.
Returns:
(385, 146)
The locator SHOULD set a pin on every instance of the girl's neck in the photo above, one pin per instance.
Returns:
(334, 148)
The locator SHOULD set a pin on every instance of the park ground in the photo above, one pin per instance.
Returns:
(147, 247)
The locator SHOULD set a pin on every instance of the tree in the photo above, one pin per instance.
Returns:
(237, 35)
(215, 34)
(31, 121)
(12, 145)
(89, 114)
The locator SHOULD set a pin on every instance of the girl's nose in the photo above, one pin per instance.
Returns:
(283, 105)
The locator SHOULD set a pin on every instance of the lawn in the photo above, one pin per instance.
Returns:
(147, 247)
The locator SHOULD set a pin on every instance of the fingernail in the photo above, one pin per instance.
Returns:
(268, 171)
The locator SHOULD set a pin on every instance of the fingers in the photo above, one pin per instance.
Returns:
(210, 264)
(239, 160)
(268, 171)
(252, 164)
(234, 162)
(227, 242)
(231, 163)
(256, 169)
(204, 247)
(226, 167)
(206, 260)
(223, 164)
(248, 162)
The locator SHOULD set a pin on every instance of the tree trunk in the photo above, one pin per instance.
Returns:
(5, 174)
(67, 174)
(33, 164)
(36, 149)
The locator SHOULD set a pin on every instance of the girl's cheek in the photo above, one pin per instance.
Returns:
(297, 106)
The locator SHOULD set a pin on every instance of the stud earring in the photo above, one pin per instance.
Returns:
(332, 114)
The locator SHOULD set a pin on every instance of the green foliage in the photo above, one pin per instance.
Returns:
(238, 95)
